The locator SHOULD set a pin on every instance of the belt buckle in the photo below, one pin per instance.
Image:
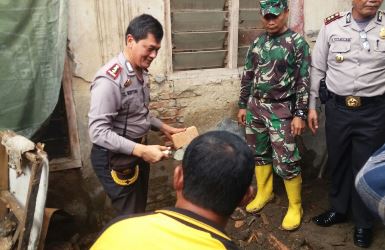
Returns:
(353, 101)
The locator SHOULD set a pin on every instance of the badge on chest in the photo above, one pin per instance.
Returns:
(382, 33)
(127, 83)
(339, 58)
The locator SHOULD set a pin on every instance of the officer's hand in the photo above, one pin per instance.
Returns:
(150, 153)
(312, 120)
(297, 126)
(242, 117)
(168, 130)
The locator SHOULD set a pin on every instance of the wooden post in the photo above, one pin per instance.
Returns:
(168, 36)
(10, 201)
(36, 169)
(4, 177)
(70, 110)
(233, 34)
(74, 161)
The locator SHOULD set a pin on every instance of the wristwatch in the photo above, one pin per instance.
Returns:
(301, 114)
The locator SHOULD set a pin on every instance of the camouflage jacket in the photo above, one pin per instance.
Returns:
(277, 68)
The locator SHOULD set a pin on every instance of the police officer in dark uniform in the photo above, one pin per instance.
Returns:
(350, 55)
(119, 118)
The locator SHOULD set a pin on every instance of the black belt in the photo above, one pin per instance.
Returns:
(140, 140)
(356, 101)
(270, 100)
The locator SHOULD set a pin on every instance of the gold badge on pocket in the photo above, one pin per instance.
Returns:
(339, 58)
(382, 33)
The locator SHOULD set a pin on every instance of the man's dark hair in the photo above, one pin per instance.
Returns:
(140, 26)
(217, 170)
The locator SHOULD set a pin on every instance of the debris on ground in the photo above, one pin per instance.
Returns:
(254, 231)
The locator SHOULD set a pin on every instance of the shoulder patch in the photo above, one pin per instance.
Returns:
(114, 71)
(332, 18)
(380, 14)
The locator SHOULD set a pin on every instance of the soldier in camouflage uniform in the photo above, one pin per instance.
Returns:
(273, 106)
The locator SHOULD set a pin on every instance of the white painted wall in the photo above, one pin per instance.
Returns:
(96, 31)
(96, 28)
(317, 10)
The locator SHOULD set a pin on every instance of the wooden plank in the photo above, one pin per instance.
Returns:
(197, 4)
(242, 55)
(4, 176)
(71, 113)
(198, 40)
(250, 18)
(63, 164)
(7, 198)
(48, 212)
(248, 4)
(168, 38)
(33, 189)
(233, 35)
(16, 235)
(74, 161)
(247, 36)
(199, 60)
(198, 21)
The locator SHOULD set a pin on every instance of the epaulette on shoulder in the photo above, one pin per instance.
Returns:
(114, 71)
(380, 15)
(332, 18)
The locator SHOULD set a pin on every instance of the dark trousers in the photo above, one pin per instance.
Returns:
(352, 135)
(125, 199)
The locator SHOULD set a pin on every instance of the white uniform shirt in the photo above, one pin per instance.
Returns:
(361, 72)
(116, 96)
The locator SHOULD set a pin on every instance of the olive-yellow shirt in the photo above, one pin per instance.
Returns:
(165, 229)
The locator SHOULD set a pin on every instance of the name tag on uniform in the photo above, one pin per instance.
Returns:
(341, 39)
(130, 92)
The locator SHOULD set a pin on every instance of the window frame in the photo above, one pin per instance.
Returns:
(74, 159)
(230, 68)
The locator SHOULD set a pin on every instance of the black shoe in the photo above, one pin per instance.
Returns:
(329, 218)
(362, 237)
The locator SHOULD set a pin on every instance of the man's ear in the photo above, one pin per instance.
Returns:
(247, 197)
(178, 178)
(286, 13)
(129, 40)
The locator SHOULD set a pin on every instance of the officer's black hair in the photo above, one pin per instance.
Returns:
(217, 169)
(140, 26)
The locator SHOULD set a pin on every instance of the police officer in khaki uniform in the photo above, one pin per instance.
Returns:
(350, 55)
(119, 117)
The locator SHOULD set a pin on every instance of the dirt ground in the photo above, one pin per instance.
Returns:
(249, 231)
(261, 231)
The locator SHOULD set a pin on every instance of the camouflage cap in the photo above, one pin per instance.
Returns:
(274, 7)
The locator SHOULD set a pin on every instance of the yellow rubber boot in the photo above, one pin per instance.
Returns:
(294, 213)
(264, 176)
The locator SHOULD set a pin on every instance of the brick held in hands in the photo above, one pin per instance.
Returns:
(184, 138)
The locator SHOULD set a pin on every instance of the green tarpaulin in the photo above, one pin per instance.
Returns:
(33, 38)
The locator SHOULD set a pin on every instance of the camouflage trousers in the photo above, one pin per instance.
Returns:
(268, 133)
